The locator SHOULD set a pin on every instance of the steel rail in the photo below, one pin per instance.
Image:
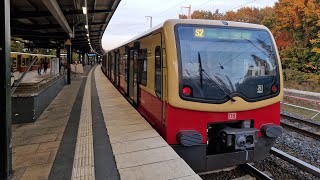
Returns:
(296, 162)
(302, 131)
(256, 172)
(299, 120)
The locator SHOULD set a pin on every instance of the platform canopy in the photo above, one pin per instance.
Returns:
(49, 23)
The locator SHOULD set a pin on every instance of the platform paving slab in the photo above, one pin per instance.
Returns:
(138, 145)
(140, 152)
(35, 144)
(165, 170)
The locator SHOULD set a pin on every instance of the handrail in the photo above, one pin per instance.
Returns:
(46, 79)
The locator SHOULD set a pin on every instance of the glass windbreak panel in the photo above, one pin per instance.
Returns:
(219, 63)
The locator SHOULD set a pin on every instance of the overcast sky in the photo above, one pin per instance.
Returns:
(129, 19)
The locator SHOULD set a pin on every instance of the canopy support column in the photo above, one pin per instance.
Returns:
(69, 61)
(5, 92)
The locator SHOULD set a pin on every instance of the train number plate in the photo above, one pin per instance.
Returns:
(232, 115)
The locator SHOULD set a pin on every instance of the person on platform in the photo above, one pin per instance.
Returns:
(45, 67)
(62, 68)
(39, 67)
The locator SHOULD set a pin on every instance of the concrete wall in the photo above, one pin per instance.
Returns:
(28, 108)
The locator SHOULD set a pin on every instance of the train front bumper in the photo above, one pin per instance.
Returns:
(196, 156)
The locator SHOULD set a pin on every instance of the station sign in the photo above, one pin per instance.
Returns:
(68, 42)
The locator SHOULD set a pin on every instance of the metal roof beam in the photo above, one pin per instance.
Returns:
(40, 14)
(49, 26)
(36, 37)
(54, 8)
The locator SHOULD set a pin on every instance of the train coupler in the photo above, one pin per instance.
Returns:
(239, 139)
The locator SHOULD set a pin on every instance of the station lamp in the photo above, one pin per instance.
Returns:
(84, 10)
(88, 35)
(86, 26)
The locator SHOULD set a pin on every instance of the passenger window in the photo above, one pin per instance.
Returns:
(158, 69)
(124, 64)
(27, 62)
(143, 66)
(23, 62)
(15, 62)
(121, 64)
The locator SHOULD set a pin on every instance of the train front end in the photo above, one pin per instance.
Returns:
(225, 108)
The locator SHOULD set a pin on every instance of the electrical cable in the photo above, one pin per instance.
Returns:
(241, 5)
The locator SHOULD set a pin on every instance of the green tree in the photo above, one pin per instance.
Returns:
(16, 46)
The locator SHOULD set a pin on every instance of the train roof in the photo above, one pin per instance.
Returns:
(221, 23)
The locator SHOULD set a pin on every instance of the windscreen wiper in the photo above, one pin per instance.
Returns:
(195, 84)
(202, 71)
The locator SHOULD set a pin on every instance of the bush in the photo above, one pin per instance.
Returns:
(300, 80)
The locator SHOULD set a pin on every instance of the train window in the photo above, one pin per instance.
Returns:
(120, 64)
(14, 63)
(27, 62)
(23, 62)
(123, 64)
(126, 69)
(143, 57)
(157, 76)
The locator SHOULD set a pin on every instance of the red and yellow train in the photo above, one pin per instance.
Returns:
(21, 61)
(211, 88)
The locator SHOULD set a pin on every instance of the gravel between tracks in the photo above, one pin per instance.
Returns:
(299, 146)
(281, 170)
(224, 175)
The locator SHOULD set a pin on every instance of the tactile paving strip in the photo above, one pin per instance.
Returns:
(83, 164)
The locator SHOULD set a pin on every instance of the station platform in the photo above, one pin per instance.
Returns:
(34, 77)
(90, 131)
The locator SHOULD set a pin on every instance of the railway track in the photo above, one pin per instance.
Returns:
(255, 172)
(296, 162)
(298, 129)
(303, 121)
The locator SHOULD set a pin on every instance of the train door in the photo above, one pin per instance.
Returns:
(114, 58)
(127, 70)
(135, 77)
(112, 67)
(109, 66)
(131, 74)
(158, 82)
(116, 68)
(164, 80)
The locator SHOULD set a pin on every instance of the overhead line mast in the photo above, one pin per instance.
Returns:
(189, 10)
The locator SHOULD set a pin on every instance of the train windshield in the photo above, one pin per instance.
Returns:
(217, 64)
